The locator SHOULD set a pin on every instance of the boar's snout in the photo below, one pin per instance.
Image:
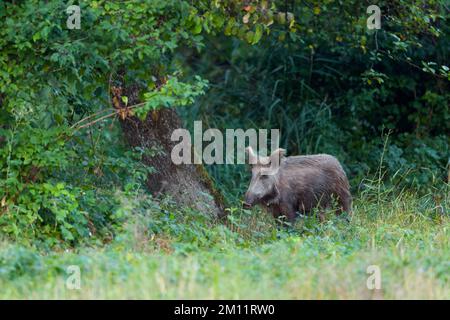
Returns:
(248, 201)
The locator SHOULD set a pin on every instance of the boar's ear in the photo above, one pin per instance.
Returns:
(277, 155)
(252, 157)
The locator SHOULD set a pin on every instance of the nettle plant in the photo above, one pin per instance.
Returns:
(59, 175)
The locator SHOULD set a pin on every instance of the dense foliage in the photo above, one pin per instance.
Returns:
(310, 68)
(59, 177)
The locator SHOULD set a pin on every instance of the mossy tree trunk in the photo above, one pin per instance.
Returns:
(187, 185)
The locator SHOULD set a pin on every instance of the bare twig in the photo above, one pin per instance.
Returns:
(97, 120)
(90, 117)
(77, 126)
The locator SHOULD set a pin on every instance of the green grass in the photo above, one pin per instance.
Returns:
(163, 253)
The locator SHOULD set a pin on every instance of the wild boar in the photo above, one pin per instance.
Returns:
(286, 185)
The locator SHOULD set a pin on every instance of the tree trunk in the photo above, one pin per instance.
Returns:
(187, 185)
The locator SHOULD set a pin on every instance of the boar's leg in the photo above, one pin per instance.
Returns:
(288, 211)
(345, 202)
(275, 209)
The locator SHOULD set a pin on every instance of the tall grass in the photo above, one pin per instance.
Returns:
(164, 252)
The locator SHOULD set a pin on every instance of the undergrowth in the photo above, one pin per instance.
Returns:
(166, 252)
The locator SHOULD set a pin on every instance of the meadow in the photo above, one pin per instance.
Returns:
(165, 254)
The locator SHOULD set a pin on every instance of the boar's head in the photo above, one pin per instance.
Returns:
(263, 185)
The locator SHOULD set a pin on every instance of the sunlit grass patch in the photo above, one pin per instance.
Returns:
(164, 252)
